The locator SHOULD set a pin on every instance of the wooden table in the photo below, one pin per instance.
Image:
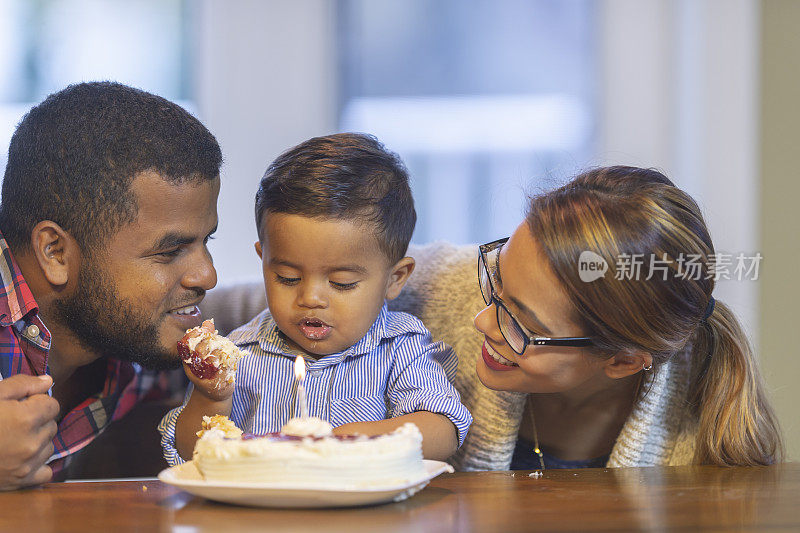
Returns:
(688, 498)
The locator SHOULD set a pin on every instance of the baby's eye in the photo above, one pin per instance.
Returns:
(286, 281)
(344, 286)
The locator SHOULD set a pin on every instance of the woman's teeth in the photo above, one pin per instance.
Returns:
(497, 357)
(188, 310)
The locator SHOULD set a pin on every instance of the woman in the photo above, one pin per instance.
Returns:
(629, 369)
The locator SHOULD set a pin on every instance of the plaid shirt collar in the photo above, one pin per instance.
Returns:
(19, 311)
(16, 299)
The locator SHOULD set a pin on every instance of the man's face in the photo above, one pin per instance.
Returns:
(325, 279)
(137, 296)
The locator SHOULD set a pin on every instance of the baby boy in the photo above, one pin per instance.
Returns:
(334, 217)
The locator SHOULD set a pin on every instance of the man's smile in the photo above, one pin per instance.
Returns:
(186, 316)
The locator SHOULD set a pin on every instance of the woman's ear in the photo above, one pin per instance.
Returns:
(397, 279)
(56, 252)
(627, 363)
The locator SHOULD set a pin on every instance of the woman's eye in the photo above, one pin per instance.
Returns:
(496, 272)
(286, 281)
(344, 286)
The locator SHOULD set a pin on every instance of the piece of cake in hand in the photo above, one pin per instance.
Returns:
(209, 355)
(306, 454)
(221, 423)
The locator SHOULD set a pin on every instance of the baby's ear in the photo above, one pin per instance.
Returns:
(398, 277)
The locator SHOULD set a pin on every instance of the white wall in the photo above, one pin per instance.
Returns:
(264, 82)
(680, 93)
(780, 218)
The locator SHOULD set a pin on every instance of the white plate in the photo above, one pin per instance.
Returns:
(186, 477)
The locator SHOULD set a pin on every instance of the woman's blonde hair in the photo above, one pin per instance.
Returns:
(631, 216)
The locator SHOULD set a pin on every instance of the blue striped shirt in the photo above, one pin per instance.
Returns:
(394, 370)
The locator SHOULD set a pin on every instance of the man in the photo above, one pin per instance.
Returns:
(108, 202)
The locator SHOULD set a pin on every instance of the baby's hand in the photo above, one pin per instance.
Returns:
(215, 388)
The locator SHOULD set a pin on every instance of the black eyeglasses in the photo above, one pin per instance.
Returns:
(513, 332)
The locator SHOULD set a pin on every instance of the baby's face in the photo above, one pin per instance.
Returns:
(325, 279)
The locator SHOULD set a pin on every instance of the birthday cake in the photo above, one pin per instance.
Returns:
(306, 454)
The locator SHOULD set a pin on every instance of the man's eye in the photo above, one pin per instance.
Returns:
(286, 281)
(344, 286)
(170, 253)
(208, 238)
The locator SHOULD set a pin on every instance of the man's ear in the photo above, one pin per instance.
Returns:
(627, 363)
(56, 252)
(258, 249)
(397, 279)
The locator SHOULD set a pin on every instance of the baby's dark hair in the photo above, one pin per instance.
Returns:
(349, 176)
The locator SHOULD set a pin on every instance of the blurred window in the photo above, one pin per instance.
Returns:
(485, 101)
(47, 44)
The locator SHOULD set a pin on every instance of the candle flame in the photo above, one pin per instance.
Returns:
(299, 368)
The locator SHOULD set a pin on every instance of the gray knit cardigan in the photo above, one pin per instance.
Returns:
(443, 292)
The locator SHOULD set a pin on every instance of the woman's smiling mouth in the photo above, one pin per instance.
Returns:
(494, 360)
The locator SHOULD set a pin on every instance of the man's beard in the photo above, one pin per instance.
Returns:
(110, 326)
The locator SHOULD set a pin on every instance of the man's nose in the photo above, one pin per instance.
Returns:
(201, 273)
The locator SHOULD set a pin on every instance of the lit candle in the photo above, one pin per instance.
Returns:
(300, 377)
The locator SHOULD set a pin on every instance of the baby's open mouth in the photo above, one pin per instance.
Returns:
(314, 329)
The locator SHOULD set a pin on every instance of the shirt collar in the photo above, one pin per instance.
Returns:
(16, 298)
(264, 332)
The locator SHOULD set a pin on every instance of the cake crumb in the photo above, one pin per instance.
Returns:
(144, 488)
(536, 475)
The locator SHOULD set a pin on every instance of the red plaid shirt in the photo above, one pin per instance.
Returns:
(24, 347)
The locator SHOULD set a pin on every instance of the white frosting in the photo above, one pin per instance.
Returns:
(326, 462)
(310, 426)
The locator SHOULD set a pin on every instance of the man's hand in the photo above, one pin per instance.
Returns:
(27, 427)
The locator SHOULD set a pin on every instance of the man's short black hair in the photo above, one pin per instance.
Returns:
(344, 176)
(73, 157)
